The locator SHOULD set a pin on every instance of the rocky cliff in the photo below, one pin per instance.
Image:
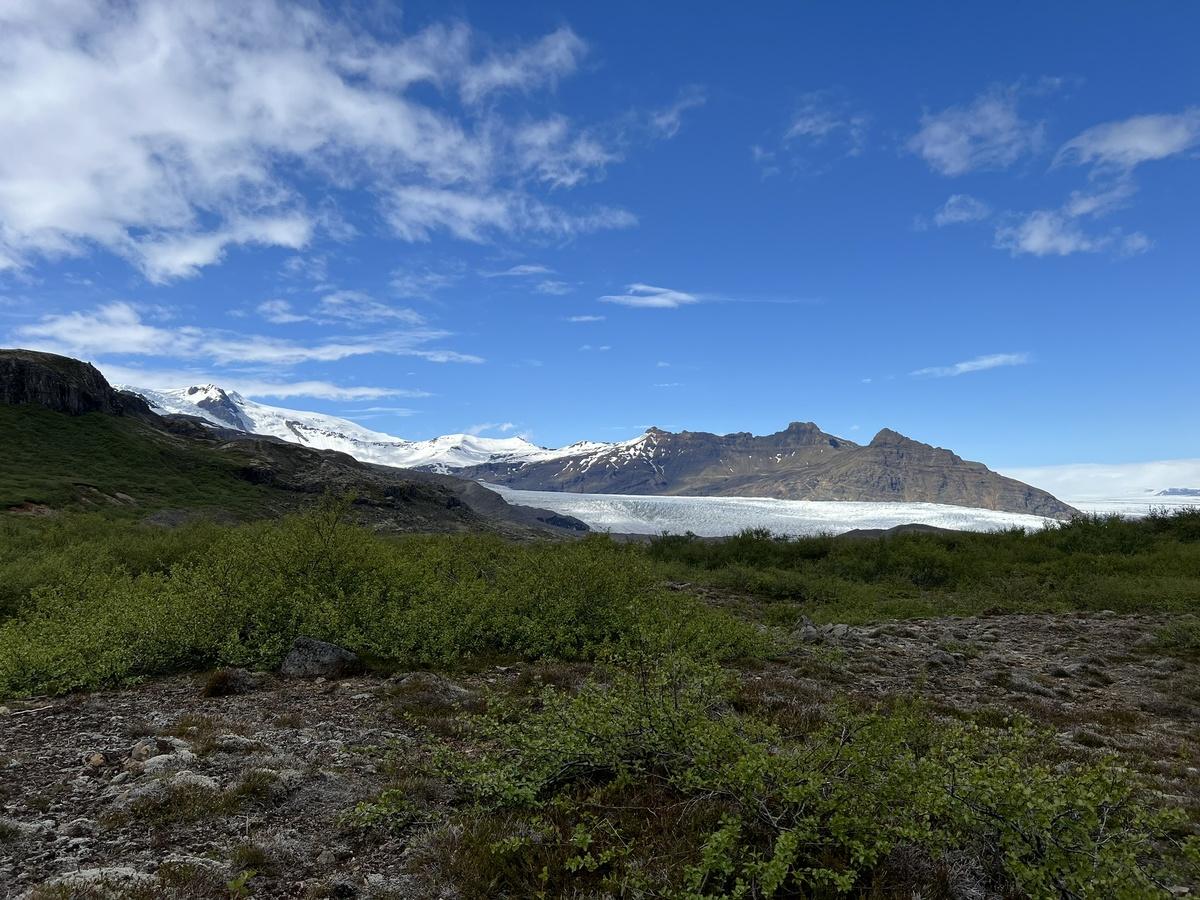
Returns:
(64, 385)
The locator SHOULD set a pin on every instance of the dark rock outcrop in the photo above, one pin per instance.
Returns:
(29, 377)
(311, 658)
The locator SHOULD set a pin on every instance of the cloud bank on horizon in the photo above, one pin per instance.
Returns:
(302, 202)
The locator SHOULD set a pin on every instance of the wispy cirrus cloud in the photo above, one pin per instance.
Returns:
(667, 121)
(978, 364)
(647, 296)
(586, 319)
(524, 270)
(823, 125)
(1123, 145)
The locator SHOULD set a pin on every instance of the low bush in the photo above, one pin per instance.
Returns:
(648, 784)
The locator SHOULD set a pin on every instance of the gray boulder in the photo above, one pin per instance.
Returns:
(310, 658)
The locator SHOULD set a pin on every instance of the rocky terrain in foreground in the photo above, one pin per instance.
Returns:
(157, 790)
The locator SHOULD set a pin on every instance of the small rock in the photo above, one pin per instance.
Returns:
(236, 743)
(430, 683)
(191, 779)
(840, 630)
(80, 827)
(115, 881)
(326, 859)
(941, 659)
(168, 762)
(309, 658)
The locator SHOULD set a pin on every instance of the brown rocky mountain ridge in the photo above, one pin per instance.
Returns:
(801, 462)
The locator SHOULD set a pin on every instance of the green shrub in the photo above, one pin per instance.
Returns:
(649, 784)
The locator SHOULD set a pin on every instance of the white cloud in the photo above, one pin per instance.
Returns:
(1047, 232)
(166, 379)
(538, 64)
(184, 255)
(581, 319)
(1114, 150)
(667, 122)
(988, 133)
(961, 208)
(118, 328)
(553, 288)
(416, 213)
(646, 296)
(1082, 481)
(978, 364)
(823, 123)
(421, 284)
(280, 312)
(1128, 143)
(169, 133)
(821, 117)
(502, 427)
(356, 307)
(588, 348)
(559, 156)
(521, 271)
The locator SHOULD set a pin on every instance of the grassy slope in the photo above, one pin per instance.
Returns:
(49, 456)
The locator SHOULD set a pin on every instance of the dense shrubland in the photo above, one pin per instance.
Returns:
(93, 603)
(86, 600)
(1091, 563)
(664, 774)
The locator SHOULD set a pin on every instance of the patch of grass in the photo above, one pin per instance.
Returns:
(174, 804)
(189, 881)
(248, 855)
(1180, 638)
(202, 731)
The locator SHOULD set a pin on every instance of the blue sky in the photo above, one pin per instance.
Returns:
(973, 224)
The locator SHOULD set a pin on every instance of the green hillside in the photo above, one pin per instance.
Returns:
(87, 461)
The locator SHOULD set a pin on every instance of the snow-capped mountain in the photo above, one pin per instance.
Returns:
(800, 463)
(229, 409)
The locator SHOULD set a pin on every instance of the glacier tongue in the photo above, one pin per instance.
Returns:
(723, 516)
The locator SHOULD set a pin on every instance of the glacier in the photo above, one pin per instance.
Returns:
(722, 516)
